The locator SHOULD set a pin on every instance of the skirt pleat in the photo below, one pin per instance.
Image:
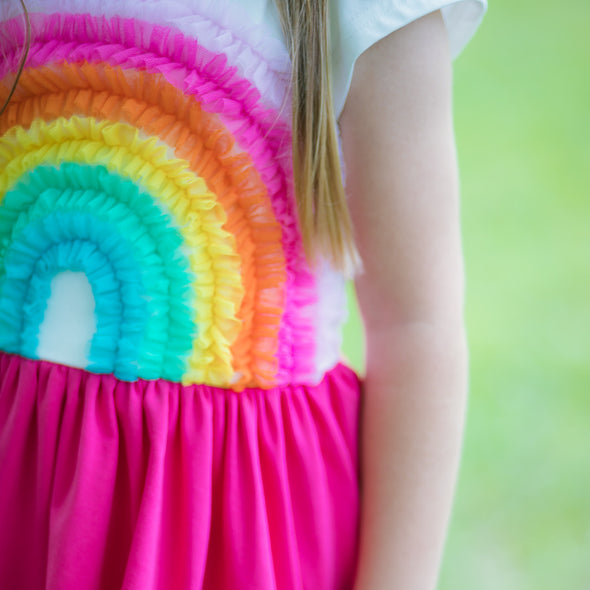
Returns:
(152, 485)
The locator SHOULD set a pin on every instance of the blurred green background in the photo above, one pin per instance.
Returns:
(522, 110)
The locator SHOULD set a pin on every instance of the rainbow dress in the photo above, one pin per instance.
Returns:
(173, 413)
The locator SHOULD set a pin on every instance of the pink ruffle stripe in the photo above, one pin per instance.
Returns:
(223, 26)
(133, 44)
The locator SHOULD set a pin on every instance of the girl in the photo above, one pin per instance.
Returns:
(174, 241)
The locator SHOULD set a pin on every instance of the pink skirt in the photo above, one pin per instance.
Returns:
(106, 484)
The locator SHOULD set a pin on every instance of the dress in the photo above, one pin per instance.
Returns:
(173, 412)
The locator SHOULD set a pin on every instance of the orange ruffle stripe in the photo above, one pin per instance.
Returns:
(148, 102)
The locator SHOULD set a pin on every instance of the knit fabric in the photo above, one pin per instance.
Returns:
(172, 411)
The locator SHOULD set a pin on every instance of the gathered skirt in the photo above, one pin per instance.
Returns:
(151, 485)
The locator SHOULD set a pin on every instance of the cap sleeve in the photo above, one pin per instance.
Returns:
(358, 24)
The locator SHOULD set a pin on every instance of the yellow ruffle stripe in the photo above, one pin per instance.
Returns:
(212, 254)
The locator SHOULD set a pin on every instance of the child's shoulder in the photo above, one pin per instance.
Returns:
(358, 24)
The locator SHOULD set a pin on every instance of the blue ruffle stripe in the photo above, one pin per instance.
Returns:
(94, 221)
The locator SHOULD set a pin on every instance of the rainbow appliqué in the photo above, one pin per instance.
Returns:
(148, 147)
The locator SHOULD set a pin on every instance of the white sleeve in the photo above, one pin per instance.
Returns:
(358, 24)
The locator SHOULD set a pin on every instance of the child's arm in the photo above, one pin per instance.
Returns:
(401, 177)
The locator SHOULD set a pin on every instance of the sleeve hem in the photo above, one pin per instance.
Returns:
(351, 39)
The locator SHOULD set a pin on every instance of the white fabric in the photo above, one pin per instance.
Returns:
(358, 24)
(331, 312)
(65, 335)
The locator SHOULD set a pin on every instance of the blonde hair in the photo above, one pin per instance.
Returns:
(324, 218)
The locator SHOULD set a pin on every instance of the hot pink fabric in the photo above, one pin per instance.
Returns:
(152, 485)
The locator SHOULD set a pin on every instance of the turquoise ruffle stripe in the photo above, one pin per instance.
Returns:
(93, 221)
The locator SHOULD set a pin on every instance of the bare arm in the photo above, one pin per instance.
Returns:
(401, 177)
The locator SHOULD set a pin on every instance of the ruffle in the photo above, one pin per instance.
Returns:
(157, 298)
(64, 242)
(115, 94)
(212, 257)
(219, 26)
(259, 131)
(157, 486)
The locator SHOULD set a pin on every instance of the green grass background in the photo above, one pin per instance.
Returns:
(522, 111)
